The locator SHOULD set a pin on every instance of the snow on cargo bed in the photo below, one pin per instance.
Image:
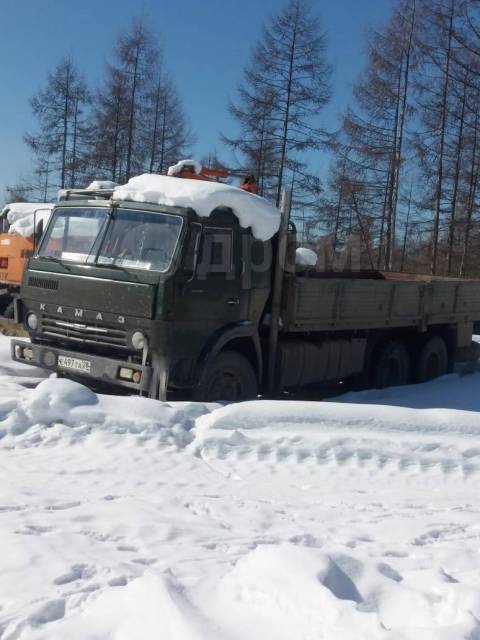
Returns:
(22, 216)
(203, 196)
(123, 517)
(305, 257)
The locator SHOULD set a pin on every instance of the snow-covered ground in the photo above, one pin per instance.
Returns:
(128, 519)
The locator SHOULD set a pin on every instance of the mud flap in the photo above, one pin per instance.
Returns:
(159, 383)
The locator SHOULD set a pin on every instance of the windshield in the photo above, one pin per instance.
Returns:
(141, 240)
(73, 233)
(133, 239)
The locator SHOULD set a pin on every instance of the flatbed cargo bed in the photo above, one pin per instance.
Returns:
(322, 302)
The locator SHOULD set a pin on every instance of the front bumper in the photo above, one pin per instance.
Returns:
(102, 369)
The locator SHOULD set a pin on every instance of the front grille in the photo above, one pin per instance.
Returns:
(43, 283)
(92, 333)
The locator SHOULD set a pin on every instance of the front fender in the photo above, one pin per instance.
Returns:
(222, 338)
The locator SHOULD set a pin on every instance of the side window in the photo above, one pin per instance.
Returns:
(216, 252)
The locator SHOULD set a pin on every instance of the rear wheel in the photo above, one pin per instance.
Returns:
(391, 365)
(433, 360)
(230, 377)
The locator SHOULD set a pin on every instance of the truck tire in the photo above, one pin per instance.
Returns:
(9, 311)
(5, 302)
(433, 360)
(391, 365)
(230, 377)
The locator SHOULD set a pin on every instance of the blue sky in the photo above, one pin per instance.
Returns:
(206, 44)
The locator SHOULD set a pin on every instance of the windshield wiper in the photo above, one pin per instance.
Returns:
(103, 265)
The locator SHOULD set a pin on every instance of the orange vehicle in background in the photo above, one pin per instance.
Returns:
(16, 249)
(195, 171)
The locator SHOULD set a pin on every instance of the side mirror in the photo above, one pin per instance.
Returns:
(37, 228)
(38, 233)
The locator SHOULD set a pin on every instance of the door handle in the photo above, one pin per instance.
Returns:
(233, 301)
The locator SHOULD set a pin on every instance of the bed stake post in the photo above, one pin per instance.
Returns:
(279, 269)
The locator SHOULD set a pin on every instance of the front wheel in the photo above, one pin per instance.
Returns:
(229, 378)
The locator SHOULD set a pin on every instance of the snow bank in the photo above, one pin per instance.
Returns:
(305, 257)
(251, 210)
(21, 216)
(102, 184)
(56, 402)
(177, 168)
(126, 518)
(288, 591)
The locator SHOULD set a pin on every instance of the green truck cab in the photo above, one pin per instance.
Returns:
(141, 296)
(153, 298)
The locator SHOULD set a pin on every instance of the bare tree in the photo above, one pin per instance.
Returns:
(445, 22)
(136, 53)
(108, 127)
(59, 109)
(168, 135)
(138, 122)
(369, 148)
(286, 84)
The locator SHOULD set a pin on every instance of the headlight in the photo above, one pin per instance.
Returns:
(138, 340)
(32, 321)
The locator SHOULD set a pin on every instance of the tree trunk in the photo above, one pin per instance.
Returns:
(337, 218)
(65, 130)
(286, 122)
(115, 140)
(45, 185)
(392, 177)
(405, 237)
(164, 135)
(155, 129)
(456, 179)
(439, 189)
(259, 175)
(382, 224)
(403, 113)
(474, 169)
(131, 120)
(74, 144)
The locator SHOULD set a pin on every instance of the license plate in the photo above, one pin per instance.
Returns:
(74, 363)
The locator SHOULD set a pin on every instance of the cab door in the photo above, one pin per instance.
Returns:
(209, 295)
(216, 293)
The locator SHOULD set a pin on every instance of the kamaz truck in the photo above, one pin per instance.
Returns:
(152, 298)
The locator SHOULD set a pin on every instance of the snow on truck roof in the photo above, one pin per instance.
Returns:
(203, 196)
(21, 216)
